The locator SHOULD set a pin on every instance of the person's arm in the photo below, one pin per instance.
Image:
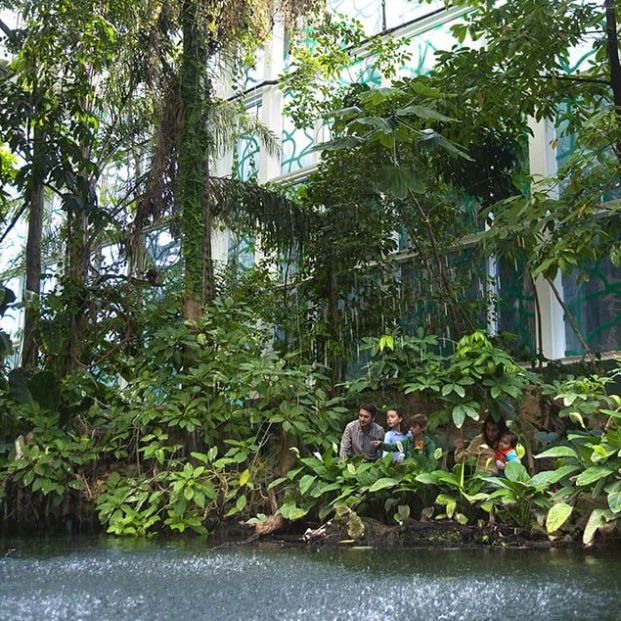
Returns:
(512, 456)
(390, 446)
(461, 453)
(345, 450)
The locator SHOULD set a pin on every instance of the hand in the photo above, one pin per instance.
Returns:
(376, 443)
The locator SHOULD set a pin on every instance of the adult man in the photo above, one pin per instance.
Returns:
(360, 435)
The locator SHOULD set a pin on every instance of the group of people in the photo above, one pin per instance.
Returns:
(491, 450)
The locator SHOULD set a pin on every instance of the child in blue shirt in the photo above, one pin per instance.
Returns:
(396, 431)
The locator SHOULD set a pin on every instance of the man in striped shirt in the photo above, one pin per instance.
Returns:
(360, 435)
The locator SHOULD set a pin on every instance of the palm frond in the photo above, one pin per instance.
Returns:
(228, 121)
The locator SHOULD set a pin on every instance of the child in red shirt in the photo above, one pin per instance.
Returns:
(506, 451)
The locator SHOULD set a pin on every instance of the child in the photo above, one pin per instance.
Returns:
(506, 451)
(419, 443)
(396, 432)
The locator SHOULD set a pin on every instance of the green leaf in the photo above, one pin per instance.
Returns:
(424, 113)
(614, 501)
(549, 477)
(426, 91)
(290, 511)
(557, 516)
(383, 483)
(558, 451)
(459, 415)
(449, 502)
(244, 477)
(516, 472)
(241, 502)
(598, 518)
(398, 181)
(590, 475)
(306, 482)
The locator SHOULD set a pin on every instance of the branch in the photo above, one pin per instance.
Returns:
(8, 32)
(14, 221)
(574, 78)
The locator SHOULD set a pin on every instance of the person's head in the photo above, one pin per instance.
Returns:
(508, 440)
(394, 420)
(367, 414)
(417, 423)
(493, 429)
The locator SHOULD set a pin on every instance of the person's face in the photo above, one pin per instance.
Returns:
(504, 444)
(392, 419)
(416, 430)
(492, 431)
(364, 418)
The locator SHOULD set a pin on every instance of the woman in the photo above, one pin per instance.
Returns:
(483, 446)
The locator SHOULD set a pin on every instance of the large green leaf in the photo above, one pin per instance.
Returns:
(291, 511)
(306, 482)
(590, 475)
(424, 113)
(597, 519)
(558, 451)
(549, 477)
(516, 473)
(398, 181)
(383, 483)
(614, 501)
(557, 516)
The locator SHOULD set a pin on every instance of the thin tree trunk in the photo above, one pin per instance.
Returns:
(612, 44)
(613, 53)
(209, 291)
(538, 325)
(33, 252)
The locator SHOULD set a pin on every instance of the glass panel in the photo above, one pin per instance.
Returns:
(248, 152)
(241, 251)
(402, 11)
(516, 304)
(162, 250)
(467, 272)
(368, 12)
(422, 49)
(297, 147)
(596, 306)
(13, 320)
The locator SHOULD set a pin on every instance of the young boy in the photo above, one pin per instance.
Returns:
(506, 451)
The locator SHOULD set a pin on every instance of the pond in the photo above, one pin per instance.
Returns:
(110, 579)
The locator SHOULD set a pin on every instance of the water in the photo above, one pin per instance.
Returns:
(110, 579)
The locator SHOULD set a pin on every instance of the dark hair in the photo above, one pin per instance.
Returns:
(510, 437)
(418, 419)
(370, 408)
(500, 423)
(401, 426)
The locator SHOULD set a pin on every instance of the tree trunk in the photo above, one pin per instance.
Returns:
(77, 261)
(193, 160)
(613, 61)
(33, 253)
(613, 53)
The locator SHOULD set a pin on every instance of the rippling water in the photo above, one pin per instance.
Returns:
(108, 579)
